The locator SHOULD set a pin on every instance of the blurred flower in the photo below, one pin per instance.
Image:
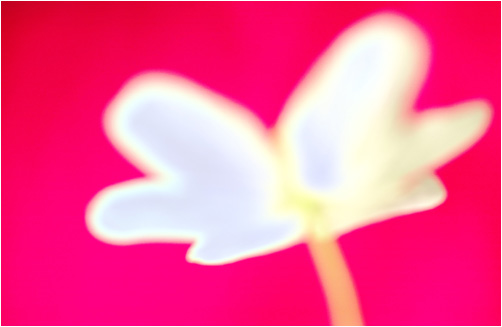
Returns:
(347, 151)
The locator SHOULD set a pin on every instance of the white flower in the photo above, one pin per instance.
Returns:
(347, 151)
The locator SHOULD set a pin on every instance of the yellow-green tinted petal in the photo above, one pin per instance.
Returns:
(357, 91)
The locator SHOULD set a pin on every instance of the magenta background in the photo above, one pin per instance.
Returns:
(62, 63)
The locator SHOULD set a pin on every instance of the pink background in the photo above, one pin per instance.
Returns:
(62, 63)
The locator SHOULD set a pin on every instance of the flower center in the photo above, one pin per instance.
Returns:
(312, 209)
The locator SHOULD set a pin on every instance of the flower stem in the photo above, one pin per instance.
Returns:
(336, 281)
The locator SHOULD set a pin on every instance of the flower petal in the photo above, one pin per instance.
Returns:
(166, 125)
(352, 137)
(223, 226)
(425, 194)
(211, 173)
(143, 211)
(439, 135)
(355, 91)
(245, 242)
